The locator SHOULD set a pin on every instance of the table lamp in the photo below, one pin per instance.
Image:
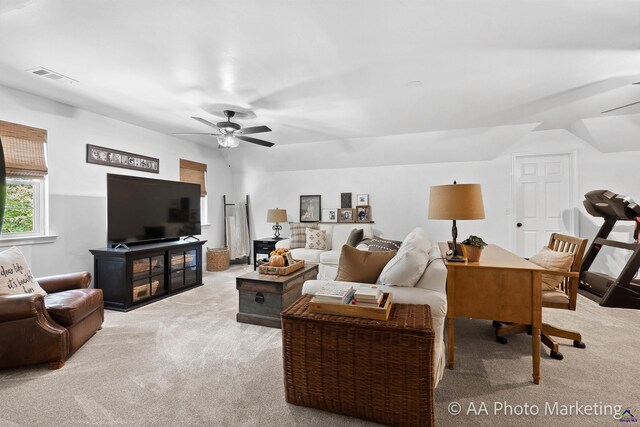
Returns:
(277, 216)
(455, 202)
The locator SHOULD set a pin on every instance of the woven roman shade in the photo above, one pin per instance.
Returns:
(24, 149)
(194, 173)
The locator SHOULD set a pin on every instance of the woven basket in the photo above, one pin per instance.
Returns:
(217, 259)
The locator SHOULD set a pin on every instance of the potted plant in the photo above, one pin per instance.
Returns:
(473, 246)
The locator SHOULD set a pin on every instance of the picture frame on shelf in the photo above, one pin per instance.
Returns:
(310, 208)
(362, 200)
(363, 214)
(345, 200)
(330, 215)
(345, 215)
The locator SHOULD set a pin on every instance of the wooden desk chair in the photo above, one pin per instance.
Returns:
(564, 297)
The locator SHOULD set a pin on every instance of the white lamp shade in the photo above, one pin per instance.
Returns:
(277, 215)
(456, 201)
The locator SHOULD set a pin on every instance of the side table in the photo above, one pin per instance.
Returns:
(380, 371)
(263, 246)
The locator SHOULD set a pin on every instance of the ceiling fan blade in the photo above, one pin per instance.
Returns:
(197, 133)
(620, 107)
(255, 141)
(254, 129)
(206, 122)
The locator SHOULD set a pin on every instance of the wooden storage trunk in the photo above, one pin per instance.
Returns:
(369, 369)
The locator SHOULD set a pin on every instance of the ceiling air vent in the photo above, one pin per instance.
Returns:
(52, 75)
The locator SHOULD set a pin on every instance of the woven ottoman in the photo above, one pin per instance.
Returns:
(380, 371)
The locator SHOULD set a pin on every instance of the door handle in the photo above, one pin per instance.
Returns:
(519, 225)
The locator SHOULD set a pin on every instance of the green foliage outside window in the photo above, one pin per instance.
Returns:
(19, 206)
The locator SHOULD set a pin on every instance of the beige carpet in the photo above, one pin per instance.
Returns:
(186, 361)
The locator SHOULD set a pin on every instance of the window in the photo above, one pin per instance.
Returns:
(24, 204)
(196, 173)
(26, 168)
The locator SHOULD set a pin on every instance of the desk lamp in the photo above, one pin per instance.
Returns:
(455, 202)
(277, 216)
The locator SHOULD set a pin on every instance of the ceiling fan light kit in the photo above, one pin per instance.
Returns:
(231, 133)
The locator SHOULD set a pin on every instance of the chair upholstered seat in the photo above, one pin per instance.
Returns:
(70, 307)
(557, 296)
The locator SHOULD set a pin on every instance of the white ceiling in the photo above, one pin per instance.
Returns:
(332, 70)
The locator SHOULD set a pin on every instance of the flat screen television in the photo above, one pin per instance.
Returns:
(144, 210)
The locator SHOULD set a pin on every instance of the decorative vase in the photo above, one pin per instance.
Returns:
(473, 253)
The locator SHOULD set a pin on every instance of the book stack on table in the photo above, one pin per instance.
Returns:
(336, 294)
(368, 296)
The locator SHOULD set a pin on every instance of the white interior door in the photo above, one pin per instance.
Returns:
(544, 202)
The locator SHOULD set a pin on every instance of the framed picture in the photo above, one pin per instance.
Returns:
(289, 258)
(330, 215)
(121, 159)
(363, 214)
(345, 215)
(345, 200)
(309, 208)
(362, 200)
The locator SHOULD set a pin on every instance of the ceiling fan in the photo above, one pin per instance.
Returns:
(623, 106)
(230, 133)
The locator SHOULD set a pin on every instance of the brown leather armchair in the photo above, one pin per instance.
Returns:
(36, 329)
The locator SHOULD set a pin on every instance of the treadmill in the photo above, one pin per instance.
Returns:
(622, 291)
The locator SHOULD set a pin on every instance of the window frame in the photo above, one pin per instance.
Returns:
(40, 223)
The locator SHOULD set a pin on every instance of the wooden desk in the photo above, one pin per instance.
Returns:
(502, 287)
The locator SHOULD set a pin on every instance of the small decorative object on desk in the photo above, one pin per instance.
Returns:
(472, 248)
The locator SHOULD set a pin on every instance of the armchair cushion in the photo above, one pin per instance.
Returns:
(15, 275)
(552, 260)
(70, 307)
(65, 282)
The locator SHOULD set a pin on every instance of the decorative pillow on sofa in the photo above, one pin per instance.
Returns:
(378, 244)
(361, 266)
(15, 276)
(552, 260)
(406, 268)
(356, 236)
(298, 233)
(316, 239)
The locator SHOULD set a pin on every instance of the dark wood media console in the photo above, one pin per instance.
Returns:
(142, 274)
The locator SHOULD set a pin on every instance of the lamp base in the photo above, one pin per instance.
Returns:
(456, 258)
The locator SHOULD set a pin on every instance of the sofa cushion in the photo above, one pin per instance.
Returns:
(341, 234)
(309, 255)
(361, 266)
(69, 307)
(15, 275)
(316, 239)
(330, 258)
(299, 234)
(378, 244)
(406, 268)
(552, 260)
(355, 237)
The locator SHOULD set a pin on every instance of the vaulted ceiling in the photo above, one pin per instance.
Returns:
(337, 71)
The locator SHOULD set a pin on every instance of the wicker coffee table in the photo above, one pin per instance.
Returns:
(376, 370)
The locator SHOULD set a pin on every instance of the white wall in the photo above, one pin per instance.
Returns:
(77, 189)
(399, 194)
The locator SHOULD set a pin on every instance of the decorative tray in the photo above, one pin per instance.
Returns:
(377, 313)
(281, 271)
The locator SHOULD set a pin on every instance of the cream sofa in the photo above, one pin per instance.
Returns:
(431, 289)
(337, 235)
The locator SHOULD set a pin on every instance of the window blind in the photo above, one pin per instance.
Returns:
(194, 173)
(24, 149)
